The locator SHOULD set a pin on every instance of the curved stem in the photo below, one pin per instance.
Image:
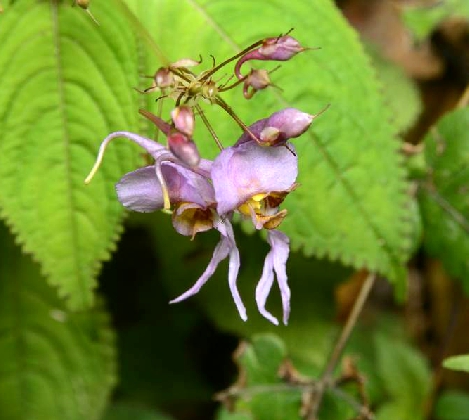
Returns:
(227, 108)
(327, 377)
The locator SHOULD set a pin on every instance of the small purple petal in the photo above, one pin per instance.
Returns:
(219, 254)
(151, 146)
(226, 246)
(242, 171)
(275, 260)
(185, 185)
(204, 168)
(140, 191)
(263, 288)
(225, 228)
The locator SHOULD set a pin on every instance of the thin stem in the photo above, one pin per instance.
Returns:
(450, 330)
(228, 109)
(350, 324)
(236, 392)
(177, 71)
(159, 111)
(327, 378)
(224, 88)
(209, 126)
(229, 60)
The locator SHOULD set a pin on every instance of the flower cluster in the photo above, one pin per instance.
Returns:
(251, 178)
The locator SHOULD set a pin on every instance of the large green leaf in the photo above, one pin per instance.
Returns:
(55, 365)
(452, 405)
(66, 83)
(351, 201)
(399, 91)
(405, 377)
(443, 198)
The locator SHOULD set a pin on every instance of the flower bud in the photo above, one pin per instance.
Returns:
(272, 49)
(84, 4)
(257, 80)
(280, 48)
(163, 78)
(183, 119)
(184, 148)
(290, 123)
(281, 126)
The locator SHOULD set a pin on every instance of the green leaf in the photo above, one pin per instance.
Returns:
(443, 198)
(66, 83)
(457, 363)
(399, 92)
(260, 362)
(422, 20)
(262, 358)
(452, 405)
(351, 202)
(127, 411)
(56, 365)
(405, 377)
(224, 414)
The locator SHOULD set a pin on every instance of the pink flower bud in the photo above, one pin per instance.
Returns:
(272, 49)
(183, 119)
(281, 48)
(184, 148)
(257, 80)
(163, 78)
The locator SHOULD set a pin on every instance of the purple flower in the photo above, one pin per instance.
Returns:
(192, 197)
(247, 178)
(248, 173)
(254, 180)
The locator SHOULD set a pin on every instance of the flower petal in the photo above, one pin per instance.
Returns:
(281, 250)
(226, 246)
(219, 254)
(185, 185)
(140, 191)
(275, 260)
(263, 288)
(242, 171)
(225, 228)
(190, 219)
